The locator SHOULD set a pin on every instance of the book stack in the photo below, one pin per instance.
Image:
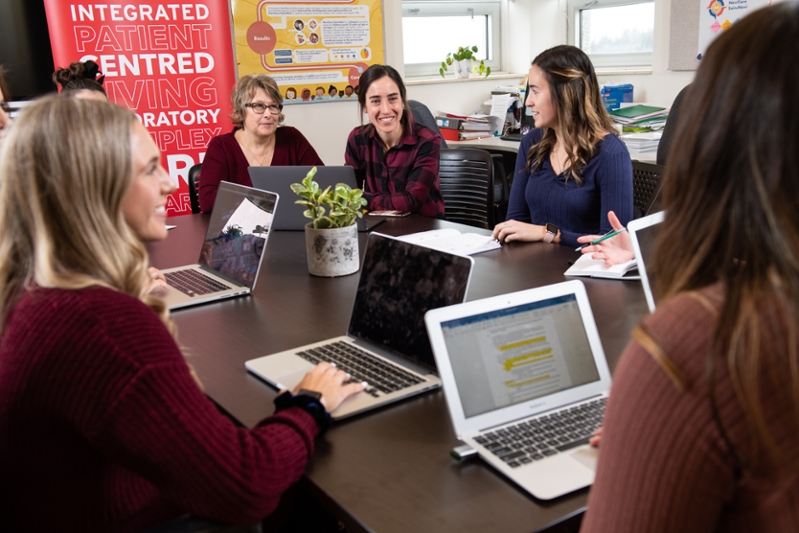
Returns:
(640, 118)
(465, 128)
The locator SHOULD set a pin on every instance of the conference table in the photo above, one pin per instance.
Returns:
(389, 470)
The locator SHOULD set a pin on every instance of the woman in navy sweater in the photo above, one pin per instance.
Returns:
(572, 169)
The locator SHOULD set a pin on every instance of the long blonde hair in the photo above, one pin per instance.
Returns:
(65, 167)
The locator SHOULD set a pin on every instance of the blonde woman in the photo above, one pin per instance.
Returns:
(572, 169)
(102, 426)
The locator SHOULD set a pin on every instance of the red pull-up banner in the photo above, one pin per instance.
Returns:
(171, 63)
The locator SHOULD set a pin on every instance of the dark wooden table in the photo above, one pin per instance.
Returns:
(388, 470)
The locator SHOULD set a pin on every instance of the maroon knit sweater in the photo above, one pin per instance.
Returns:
(102, 427)
(664, 465)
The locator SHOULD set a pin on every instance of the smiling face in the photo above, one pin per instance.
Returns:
(539, 100)
(384, 106)
(144, 204)
(262, 125)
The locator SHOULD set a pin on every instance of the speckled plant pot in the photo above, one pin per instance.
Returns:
(332, 252)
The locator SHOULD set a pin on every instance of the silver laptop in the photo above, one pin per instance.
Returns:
(386, 344)
(526, 382)
(643, 233)
(279, 180)
(232, 251)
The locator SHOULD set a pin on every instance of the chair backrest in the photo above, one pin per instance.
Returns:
(423, 116)
(194, 188)
(646, 187)
(467, 185)
(667, 138)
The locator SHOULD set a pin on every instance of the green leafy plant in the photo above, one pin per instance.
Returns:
(330, 208)
(465, 52)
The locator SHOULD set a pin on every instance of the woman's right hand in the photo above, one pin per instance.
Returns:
(330, 382)
(513, 230)
(615, 250)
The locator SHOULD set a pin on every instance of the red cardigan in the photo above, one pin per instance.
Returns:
(225, 161)
(102, 427)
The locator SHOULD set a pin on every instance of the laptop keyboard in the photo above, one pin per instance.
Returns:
(544, 436)
(362, 366)
(193, 282)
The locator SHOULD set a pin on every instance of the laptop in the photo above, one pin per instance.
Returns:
(386, 344)
(643, 234)
(526, 382)
(280, 179)
(232, 251)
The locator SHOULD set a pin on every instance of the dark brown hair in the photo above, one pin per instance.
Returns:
(582, 118)
(731, 193)
(79, 77)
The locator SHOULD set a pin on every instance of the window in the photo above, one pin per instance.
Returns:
(614, 33)
(431, 30)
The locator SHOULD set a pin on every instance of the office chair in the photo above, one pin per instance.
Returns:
(467, 185)
(194, 188)
(423, 116)
(671, 125)
(646, 188)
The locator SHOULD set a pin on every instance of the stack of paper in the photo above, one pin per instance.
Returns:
(453, 241)
(470, 127)
(645, 142)
(640, 118)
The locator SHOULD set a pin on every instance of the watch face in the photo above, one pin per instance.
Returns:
(552, 228)
(311, 393)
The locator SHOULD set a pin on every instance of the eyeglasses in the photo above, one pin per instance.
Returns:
(259, 108)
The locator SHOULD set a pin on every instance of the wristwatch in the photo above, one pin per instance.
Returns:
(552, 232)
(309, 401)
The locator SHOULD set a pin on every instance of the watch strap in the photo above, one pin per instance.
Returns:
(309, 404)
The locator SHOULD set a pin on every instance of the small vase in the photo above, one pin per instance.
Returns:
(332, 252)
(463, 68)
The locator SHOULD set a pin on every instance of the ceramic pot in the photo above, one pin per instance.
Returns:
(463, 68)
(332, 252)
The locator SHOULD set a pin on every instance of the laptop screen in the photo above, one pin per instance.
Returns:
(520, 353)
(236, 237)
(644, 232)
(399, 283)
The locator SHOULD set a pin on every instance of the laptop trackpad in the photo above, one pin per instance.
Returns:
(586, 456)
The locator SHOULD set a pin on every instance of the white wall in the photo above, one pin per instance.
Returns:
(535, 25)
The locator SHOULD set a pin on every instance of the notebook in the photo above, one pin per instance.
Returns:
(399, 282)
(232, 252)
(525, 380)
(279, 180)
(643, 233)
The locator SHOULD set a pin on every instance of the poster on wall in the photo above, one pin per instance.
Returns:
(170, 63)
(717, 16)
(315, 50)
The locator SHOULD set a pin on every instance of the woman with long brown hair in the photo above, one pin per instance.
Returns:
(572, 169)
(702, 423)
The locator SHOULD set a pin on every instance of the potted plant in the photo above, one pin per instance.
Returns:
(462, 62)
(331, 238)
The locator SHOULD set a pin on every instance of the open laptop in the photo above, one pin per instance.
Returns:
(232, 251)
(643, 234)
(526, 382)
(399, 282)
(280, 179)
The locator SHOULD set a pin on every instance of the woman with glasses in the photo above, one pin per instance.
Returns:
(259, 139)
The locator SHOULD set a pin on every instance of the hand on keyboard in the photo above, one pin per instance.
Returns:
(330, 381)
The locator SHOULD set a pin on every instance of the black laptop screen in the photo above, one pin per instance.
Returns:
(237, 232)
(399, 283)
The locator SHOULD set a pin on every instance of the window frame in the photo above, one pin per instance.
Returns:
(606, 61)
(430, 8)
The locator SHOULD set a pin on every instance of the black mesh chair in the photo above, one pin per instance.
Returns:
(423, 116)
(646, 188)
(194, 188)
(667, 138)
(467, 185)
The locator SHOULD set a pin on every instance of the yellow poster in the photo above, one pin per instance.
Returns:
(316, 51)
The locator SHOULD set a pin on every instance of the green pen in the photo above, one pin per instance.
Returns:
(602, 238)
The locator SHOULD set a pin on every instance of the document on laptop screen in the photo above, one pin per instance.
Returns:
(505, 357)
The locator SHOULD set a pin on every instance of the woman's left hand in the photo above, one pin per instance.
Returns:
(157, 282)
(513, 230)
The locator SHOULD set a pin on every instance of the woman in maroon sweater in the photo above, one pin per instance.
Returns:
(702, 423)
(103, 426)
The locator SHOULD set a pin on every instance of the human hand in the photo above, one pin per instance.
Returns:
(329, 381)
(158, 285)
(596, 439)
(615, 250)
(513, 230)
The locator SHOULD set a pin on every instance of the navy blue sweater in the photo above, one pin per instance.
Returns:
(542, 196)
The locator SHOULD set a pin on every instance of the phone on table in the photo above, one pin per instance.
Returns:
(388, 213)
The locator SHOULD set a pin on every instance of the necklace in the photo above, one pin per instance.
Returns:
(262, 161)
